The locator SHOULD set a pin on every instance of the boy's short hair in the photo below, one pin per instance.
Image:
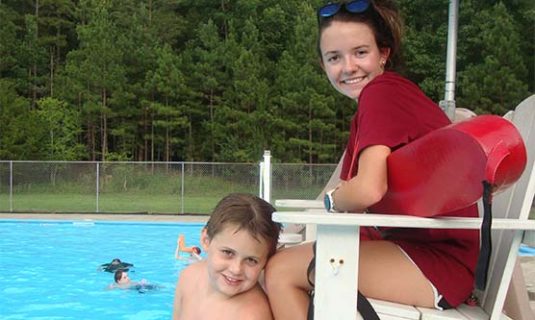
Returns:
(249, 213)
(117, 276)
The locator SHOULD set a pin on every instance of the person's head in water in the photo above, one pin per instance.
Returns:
(196, 250)
(121, 277)
(114, 265)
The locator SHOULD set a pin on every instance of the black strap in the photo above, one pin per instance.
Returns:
(365, 308)
(482, 267)
(363, 305)
(312, 265)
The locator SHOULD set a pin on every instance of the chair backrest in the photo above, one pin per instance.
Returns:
(514, 203)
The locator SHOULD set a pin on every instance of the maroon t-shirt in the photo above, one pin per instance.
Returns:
(393, 111)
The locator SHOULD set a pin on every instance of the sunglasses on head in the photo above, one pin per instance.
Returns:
(329, 10)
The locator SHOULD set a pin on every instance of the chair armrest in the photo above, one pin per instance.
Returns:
(321, 217)
(298, 203)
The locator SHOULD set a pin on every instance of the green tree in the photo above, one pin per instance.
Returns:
(97, 66)
(32, 58)
(424, 45)
(306, 109)
(63, 125)
(492, 81)
(55, 30)
(21, 131)
(167, 82)
(236, 131)
(10, 44)
(204, 67)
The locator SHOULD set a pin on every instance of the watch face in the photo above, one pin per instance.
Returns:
(327, 202)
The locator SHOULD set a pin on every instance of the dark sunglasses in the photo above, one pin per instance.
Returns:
(329, 10)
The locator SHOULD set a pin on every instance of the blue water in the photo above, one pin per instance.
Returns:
(48, 269)
(526, 251)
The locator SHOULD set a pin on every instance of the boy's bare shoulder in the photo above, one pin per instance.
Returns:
(191, 273)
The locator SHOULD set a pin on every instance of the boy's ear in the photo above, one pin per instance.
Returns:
(205, 239)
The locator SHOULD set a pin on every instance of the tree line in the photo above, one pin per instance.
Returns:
(207, 80)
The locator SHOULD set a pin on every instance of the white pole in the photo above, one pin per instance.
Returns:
(448, 104)
(267, 176)
(261, 180)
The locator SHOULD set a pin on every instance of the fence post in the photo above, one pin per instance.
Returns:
(261, 179)
(266, 176)
(182, 190)
(10, 186)
(98, 178)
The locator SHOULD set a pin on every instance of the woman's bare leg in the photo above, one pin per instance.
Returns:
(385, 273)
(286, 282)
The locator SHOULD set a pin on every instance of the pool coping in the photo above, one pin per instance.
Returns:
(105, 217)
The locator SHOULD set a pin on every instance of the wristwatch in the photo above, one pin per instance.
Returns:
(328, 201)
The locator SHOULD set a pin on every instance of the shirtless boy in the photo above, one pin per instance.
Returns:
(238, 240)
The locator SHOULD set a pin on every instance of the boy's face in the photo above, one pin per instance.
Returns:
(124, 279)
(234, 260)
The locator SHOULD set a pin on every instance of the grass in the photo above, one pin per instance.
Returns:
(195, 200)
(147, 188)
(113, 203)
(131, 202)
(201, 195)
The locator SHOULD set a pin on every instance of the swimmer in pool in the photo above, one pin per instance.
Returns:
(194, 252)
(114, 265)
(122, 281)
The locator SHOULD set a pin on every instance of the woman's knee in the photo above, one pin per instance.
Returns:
(278, 265)
(274, 274)
(287, 268)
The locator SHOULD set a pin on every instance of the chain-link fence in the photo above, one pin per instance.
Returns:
(151, 187)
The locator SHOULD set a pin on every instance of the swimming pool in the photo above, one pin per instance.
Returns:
(48, 269)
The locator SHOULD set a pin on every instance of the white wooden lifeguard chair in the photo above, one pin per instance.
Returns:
(337, 239)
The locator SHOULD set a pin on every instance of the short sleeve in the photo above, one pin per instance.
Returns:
(383, 120)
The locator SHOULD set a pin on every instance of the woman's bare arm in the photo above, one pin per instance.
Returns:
(369, 185)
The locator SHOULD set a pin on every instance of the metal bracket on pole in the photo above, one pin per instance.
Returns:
(448, 104)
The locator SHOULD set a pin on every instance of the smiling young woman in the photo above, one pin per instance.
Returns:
(359, 44)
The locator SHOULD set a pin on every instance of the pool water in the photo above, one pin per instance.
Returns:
(48, 269)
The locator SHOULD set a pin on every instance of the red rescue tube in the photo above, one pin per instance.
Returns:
(443, 171)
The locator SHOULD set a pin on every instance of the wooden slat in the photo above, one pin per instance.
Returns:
(434, 314)
(298, 203)
(472, 312)
(383, 220)
(390, 310)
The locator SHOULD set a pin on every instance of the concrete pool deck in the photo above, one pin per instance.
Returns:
(108, 217)
(527, 262)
